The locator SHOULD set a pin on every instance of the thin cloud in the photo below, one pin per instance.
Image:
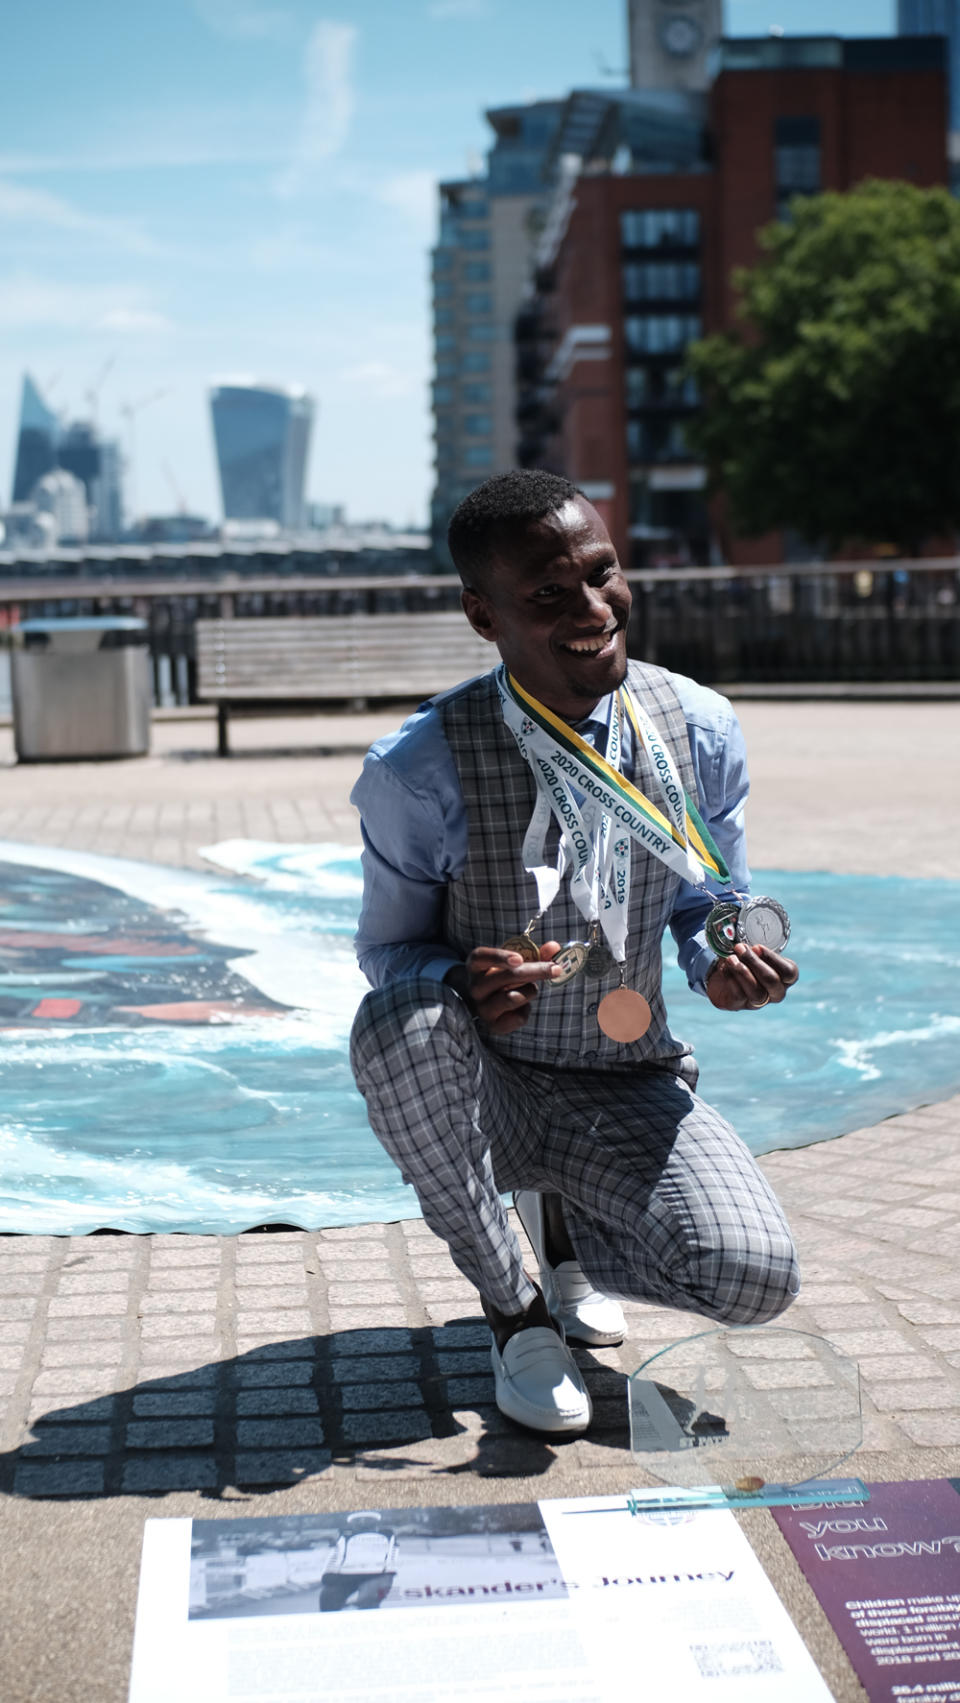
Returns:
(245, 23)
(443, 9)
(328, 71)
(380, 380)
(133, 320)
(26, 206)
(27, 300)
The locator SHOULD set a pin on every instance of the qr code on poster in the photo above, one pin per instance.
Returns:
(726, 1661)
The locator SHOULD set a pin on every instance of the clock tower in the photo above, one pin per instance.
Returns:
(671, 40)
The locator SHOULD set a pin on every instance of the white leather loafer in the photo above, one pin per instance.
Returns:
(538, 1382)
(585, 1315)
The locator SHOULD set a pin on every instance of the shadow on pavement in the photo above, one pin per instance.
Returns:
(390, 1400)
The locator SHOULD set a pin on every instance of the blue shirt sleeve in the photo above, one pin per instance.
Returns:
(414, 842)
(720, 768)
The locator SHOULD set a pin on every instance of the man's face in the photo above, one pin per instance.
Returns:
(556, 607)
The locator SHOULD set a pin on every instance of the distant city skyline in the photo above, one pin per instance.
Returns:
(224, 185)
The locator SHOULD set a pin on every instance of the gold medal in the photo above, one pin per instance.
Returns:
(524, 946)
(624, 1015)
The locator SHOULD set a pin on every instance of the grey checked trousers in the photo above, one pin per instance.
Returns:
(662, 1200)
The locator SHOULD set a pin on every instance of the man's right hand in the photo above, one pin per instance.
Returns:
(500, 986)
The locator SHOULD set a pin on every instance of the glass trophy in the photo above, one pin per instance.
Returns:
(744, 1417)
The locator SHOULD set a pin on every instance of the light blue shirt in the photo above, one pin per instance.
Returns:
(414, 825)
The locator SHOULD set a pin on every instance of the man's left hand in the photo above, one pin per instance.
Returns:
(750, 978)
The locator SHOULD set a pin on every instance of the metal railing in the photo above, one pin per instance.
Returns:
(839, 621)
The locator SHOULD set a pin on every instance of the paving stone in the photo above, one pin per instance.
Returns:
(377, 1341)
(60, 1478)
(17, 1306)
(170, 1434)
(271, 1277)
(915, 1394)
(260, 1256)
(443, 1312)
(885, 1368)
(68, 1440)
(469, 1392)
(194, 1301)
(183, 1352)
(372, 1233)
(189, 1252)
(932, 1430)
(941, 1337)
(201, 1376)
(857, 1342)
(354, 1271)
(18, 1283)
(295, 1324)
(77, 1380)
(202, 1279)
(173, 1404)
(49, 1409)
(463, 1336)
(279, 1433)
(86, 1330)
(87, 1306)
(391, 1425)
(374, 1368)
(355, 1320)
(264, 1374)
(14, 1330)
(273, 1302)
(93, 1283)
(369, 1397)
(11, 1356)
(364, 1294)
(283, 1348)
(281, 1466)
(25, 1262)
(95, 1353)
(178, 1324)
(169, 1472)
(929, 1313)
(263, 1402)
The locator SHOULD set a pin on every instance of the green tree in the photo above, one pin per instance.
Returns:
(835, 409)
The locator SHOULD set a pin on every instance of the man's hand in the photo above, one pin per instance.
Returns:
(750, 978)
(500, 987)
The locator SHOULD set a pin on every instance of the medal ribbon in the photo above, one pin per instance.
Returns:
(561, 755)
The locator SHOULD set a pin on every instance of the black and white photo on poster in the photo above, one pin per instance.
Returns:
(371, 1559)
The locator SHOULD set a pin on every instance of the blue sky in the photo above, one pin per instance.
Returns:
(214, 187)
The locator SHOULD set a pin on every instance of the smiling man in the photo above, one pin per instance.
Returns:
(528, 838)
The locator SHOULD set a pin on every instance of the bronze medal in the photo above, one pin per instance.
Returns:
(524, 946)
(624, 1015)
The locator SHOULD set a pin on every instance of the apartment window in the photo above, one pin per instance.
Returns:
(661, 387)
(796, 147)
(443, 316)
(445, 340)
(662, 333)
(474, 239)
(442, 260)
(481, 331)
(445, 368)
(661, 280)
(476, 361)
(478, 301)
(476, 271)
(477, 425)
(660, 227)
(474, 394)
(478, 455)
(442, 289)
(656, 440)
(443, 393)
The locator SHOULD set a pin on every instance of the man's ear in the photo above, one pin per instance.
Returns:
(479, 613)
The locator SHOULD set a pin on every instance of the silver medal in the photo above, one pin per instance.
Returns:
(600, 959)
(764, 922)
(570, 960)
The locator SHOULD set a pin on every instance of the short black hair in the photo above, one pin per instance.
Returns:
(498, 512)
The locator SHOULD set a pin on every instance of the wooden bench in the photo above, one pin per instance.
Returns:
(317, 657)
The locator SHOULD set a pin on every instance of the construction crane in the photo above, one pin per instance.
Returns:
(92, 396)
(178, 495)
(130, 410)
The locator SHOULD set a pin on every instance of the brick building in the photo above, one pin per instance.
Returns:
(637, 258)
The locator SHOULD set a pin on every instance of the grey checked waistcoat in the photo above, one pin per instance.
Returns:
(494, 896)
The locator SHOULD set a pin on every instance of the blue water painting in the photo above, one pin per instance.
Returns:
(174, 1048)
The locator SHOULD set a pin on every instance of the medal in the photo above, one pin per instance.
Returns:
(624, 1015)
(722, 927)
(757, 922)
(600, 959)
(524, 946)
(570, 960)
(764, 922)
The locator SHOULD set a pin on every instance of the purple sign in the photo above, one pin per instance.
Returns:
(887, 1574)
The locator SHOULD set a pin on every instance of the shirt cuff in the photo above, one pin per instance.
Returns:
(699, 968)
(436, 968)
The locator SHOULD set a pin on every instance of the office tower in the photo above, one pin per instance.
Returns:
(63, 496)
(937, 17)
(95, 461)
(638, 257)
(489, 226)
(672, 42)
(37, 440)
(262, 435)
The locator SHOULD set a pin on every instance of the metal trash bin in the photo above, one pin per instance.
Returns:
(81, 688)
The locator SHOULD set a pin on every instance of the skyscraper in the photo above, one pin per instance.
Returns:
(672, 42)
(262, 434)
(37, 441)
(937, 17)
